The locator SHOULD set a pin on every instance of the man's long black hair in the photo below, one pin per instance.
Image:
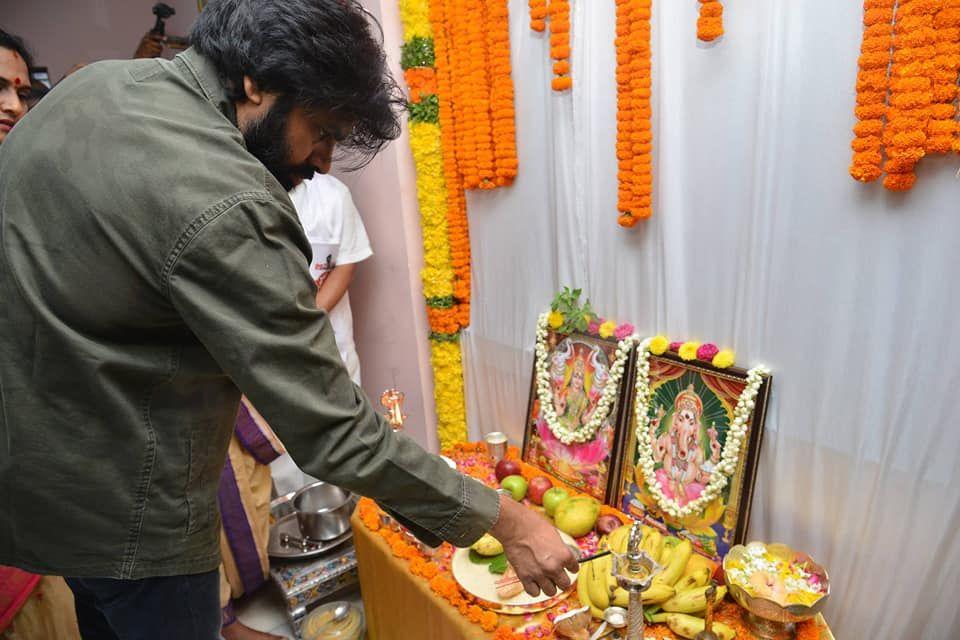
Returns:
(321, 54)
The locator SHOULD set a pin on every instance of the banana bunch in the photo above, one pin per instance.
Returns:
(677, 595)
(689, 626)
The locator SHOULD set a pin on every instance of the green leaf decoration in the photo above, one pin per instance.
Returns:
(417, 52)
(499, 565)
(427, 110)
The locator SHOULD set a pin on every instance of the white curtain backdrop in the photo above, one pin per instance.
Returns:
(762, 242)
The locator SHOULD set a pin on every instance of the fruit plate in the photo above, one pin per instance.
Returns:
(476, 580)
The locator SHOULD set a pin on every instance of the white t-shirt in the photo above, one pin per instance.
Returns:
(333, 226)
(337, 236)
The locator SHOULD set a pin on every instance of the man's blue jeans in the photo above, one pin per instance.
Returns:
(177, 607)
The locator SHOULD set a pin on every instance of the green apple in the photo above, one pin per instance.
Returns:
(576, 516)
(516, 485)
(552, 499)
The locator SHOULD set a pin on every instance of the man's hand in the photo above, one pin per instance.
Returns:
(151, 46)
(534, 548)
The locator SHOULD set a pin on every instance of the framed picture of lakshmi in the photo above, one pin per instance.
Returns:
(575, 418)
(699, 448)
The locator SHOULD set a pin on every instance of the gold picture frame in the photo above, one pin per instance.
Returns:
(691, 409)
(591, 467)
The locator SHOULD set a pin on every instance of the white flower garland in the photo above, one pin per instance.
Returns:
(585, 432)
(731, 448)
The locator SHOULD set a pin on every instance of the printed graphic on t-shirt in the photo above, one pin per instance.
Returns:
(323, 269)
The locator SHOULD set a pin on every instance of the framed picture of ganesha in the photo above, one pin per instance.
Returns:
(581, 370)
(691, 410)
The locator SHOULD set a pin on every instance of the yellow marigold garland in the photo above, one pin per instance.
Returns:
(448, 380)
(462, 134)
(441, 231)
(415, 17)
(437, 273)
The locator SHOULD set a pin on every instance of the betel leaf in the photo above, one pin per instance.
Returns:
(499, 564)
(476, 558)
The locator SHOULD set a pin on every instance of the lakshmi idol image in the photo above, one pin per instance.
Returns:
(579, 373)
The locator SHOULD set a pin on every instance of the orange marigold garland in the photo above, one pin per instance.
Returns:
(477, 69)
(501, 96)
(634, 114)
(474, 13)
(710, 21)
(906, 88)
(942, 126)
(872, 85)
(456, 203)
(538, 15)
(559, 13)
(911, 92)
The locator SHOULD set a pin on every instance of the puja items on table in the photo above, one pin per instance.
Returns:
(674, 605)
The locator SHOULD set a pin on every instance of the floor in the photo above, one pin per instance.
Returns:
(265, 610)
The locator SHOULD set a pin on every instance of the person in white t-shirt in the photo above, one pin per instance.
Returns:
(339, 241)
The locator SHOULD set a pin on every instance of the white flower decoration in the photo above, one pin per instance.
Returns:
(585, 432)
(731, 448)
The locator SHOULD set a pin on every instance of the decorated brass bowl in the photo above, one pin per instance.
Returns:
(767, 617)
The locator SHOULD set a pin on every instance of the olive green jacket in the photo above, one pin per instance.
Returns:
(152, 270)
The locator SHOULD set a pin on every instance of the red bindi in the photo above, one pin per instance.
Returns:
(16, 81)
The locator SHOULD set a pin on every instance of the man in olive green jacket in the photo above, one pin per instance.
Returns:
(152, 268)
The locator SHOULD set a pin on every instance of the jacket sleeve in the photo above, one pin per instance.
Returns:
(240, 281)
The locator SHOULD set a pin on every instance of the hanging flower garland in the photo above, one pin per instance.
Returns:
(634, 114)
(473, 13)
(872, 86)
(943, 130)
(907, 102)
(710, 21)
(911, 94)
(559, 13)
(731, 448)
(538, 15)
(442, 232)
(476, 38)
(458, 230)
(585, 432)
(501, 95)
(456, 61)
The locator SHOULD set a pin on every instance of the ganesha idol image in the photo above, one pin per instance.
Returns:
(686, 452)
(579, 374)
(685, 455)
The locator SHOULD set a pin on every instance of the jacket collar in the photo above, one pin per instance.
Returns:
(206, 78)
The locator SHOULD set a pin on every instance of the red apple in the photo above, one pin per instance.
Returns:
(506, 468)
(538, 486)
(607, 524)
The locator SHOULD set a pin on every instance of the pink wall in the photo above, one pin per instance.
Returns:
(386, 297)
(389, 315)
(62, 33)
